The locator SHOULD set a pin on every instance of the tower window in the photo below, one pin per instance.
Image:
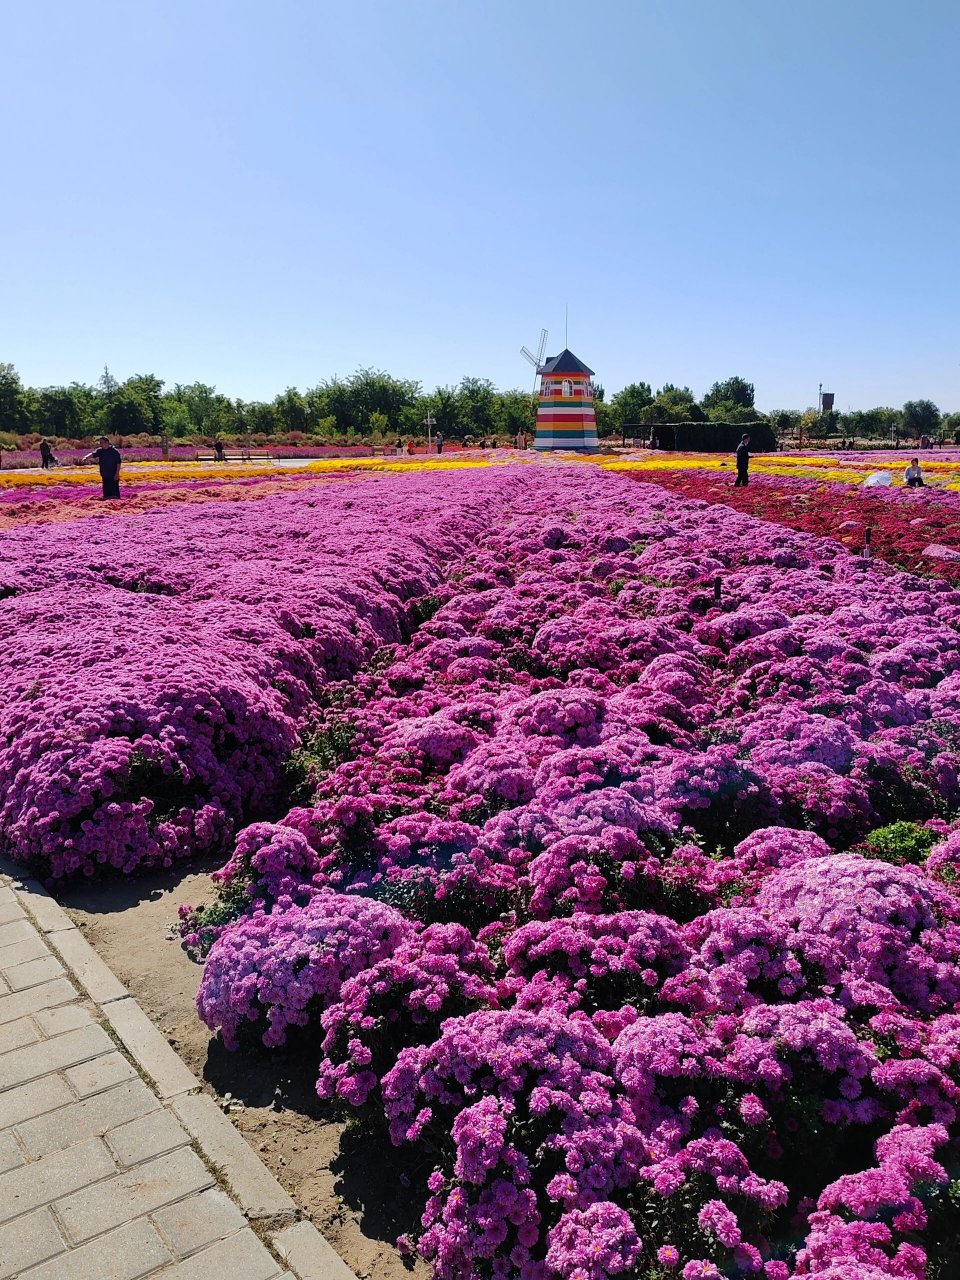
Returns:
(567, 389)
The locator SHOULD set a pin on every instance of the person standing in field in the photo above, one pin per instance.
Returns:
(46, 455)
(743, 463)
(108, 460)
(439, 439)
(398, 447)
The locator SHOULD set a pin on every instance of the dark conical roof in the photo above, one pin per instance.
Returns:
(565, 362)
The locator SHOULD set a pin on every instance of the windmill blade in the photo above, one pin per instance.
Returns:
(528, 355)
(543, 347)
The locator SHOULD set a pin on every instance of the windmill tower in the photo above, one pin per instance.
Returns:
(566, 418)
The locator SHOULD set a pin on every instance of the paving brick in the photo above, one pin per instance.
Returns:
(16, 930)
(134, 1250)
(241, 1257)
(194, 1223)
(103, 1072)
(88, 1212)
(32, 948)
(55, 1175)
(27, 1241)
(68, 1017)
(150, 1135)
(23, 1002)
(88, 1119)
(52, 1055)
(14, 1035)
(304, 1249)
(94, 976)
(3, 985)
(10, 909)
(48, 914)
(254, 1186)
(32, 973)
(149, 1049)
(33, 1099)
(11, 1157)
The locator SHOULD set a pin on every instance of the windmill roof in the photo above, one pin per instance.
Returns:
(565, 362)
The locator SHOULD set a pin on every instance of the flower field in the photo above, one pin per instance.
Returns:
(914, 529)
(598, 847)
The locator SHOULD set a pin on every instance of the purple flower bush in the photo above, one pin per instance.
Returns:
(281, 970)
(681, 873)
(627, 908)
(159, 672)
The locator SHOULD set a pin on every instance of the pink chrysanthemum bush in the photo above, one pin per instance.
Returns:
(626, 906)
(680, 872)
(160, 671)
(274, 972)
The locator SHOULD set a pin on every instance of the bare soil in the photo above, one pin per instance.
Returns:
(350, 1183)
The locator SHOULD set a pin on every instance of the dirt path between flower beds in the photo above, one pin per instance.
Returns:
(349, 1186)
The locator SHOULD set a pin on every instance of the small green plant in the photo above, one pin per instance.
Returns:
(899, 843)
(319, 753)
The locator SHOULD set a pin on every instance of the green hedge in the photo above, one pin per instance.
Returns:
(714, 437)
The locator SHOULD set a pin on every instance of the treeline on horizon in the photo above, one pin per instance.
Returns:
(371, 405)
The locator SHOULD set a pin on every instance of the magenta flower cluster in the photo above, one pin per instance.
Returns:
(583, 916)
(157, 669)
(643, 1011)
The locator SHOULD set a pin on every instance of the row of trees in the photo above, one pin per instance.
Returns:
(372, 404)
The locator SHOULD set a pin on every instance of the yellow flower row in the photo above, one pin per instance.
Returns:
(180, 471)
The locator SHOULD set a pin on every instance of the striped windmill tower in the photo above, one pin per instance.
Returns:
(565, 414)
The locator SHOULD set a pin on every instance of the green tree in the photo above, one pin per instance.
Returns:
(628, 405)
(257, 418)
(66, 412)
(673, 404)
(13, 403)
(920, 418)
(291, 412)
(731, 411)
(513, 412)
(733, 390)
(476, 397)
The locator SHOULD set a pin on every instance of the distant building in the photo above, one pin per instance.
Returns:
(565, 414)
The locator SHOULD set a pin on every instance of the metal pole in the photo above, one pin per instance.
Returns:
(429, 421)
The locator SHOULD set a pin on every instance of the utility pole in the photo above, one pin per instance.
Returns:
(429, 422)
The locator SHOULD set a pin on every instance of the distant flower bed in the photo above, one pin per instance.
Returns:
(915, 529)
(19, 459)
(942, 467)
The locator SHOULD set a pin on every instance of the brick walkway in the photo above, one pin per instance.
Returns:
(100, 1176)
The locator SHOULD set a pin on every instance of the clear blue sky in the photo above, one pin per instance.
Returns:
(265, 194)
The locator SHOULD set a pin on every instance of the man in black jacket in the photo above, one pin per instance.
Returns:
(743, 463)
(108, 460)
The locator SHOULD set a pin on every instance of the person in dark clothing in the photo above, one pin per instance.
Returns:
(218, 449)
(108, 460)
(46, 455)
(439, 439)
(743, 463)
